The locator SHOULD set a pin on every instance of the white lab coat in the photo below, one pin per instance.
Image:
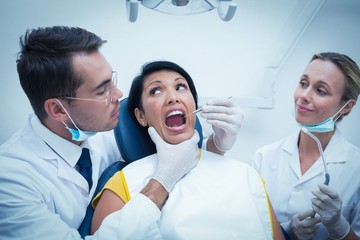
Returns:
(221, 198)
(42, 196)
(290, 192)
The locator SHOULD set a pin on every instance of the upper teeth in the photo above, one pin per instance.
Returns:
(176, 112)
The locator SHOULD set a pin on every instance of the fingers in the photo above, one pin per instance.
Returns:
(220, 102)
(223, 106)
(155, 137)
(229, 128)
(220, 115)
(325, 193)
(324, 197)
(311, 222)
(308, 219)
(192, 141)
(308, 214)
(328, 191)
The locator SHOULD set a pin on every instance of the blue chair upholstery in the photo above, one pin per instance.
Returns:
(133, 140)
(85, 226)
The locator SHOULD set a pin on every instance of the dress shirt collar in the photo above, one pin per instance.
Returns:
(65, 149)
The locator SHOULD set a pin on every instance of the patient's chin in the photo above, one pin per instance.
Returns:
(178, 138)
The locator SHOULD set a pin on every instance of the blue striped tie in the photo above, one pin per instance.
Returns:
(85, 166)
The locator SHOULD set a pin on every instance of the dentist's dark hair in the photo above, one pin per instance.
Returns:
(44, 63)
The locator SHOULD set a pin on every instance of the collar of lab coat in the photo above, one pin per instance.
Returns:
(335, 152)
(63, 148)
(332, 153)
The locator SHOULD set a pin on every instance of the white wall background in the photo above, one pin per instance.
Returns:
(257, 57)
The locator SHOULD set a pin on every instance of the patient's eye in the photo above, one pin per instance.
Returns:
(181, 86)
(155, 91)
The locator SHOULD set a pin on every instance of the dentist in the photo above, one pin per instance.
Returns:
(50, 167)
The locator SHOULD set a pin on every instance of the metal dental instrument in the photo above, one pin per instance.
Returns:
(327, 176)
(199, 110)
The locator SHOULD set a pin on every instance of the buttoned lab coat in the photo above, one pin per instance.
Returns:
(42, 196)
(290, 192)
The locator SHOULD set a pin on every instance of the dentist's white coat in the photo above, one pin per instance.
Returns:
(42, 196)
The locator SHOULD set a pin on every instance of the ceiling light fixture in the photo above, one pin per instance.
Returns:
(183, 7)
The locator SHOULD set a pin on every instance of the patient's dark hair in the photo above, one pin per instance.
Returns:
(136, 89)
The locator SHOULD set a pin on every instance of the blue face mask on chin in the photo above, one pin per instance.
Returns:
(328, 125)
(76, 134)
(325, 126)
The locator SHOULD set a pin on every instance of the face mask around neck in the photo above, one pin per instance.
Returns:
(76, 134)
(328, 125)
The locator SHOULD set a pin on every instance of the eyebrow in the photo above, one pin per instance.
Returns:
(180, 78)
(102, 84)
(159, 81)
(317, 81)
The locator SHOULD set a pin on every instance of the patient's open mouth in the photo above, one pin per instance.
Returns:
(175, 119)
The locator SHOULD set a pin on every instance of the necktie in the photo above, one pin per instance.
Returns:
(85, 166)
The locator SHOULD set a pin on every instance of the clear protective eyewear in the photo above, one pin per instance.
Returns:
(108, 96)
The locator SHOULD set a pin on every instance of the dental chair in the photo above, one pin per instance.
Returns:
(134, 143)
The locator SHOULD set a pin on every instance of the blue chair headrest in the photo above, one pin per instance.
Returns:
(133, 140)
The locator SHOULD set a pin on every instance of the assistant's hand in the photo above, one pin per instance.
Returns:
(174, 161)
(225, 118)
(303, 226)
(327, 204)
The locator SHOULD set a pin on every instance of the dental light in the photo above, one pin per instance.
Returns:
(183, 7)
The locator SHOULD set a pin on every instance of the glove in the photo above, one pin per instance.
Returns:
(174, 161)
(327, 204)
(303, 226)
(226, 119)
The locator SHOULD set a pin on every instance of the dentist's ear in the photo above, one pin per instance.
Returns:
(140, 116)
(55, 110)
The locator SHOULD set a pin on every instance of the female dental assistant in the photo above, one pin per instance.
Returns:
(293, 168)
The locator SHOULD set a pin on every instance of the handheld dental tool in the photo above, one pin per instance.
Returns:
(199, 110)
(327, 176)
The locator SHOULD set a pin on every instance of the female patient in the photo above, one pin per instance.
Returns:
(221, 198)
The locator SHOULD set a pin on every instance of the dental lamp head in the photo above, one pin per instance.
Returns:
(226, 8)
(180, 3)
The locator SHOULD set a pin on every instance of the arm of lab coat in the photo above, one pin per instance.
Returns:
(136, 220)
(24, 216)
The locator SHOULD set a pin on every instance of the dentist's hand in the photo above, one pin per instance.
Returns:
(327, 204)
(303, 226)
(174, 161)
(225, 118)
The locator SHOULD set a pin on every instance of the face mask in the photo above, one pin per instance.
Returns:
(325, 126)
(76, 134)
